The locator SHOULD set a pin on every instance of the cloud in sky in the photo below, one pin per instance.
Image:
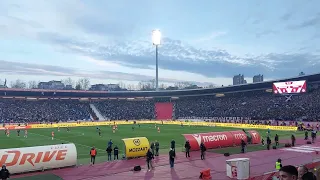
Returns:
(38, 69)
(204, 43)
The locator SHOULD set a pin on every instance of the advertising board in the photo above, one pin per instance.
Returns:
(238, 136)
(20, 160)
(215, 140)
(81, 124)
(14, 127)
(136, 147)
(290, 87)
(251, 126)
(109, 123)
(255, 137)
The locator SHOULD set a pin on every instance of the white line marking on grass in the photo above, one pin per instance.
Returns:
(65, 141)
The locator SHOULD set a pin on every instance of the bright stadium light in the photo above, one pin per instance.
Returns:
(156, 40)
(156, 37)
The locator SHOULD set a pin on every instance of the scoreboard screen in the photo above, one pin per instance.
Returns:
(290, 87)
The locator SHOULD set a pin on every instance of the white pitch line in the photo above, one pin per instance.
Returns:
(65, 141)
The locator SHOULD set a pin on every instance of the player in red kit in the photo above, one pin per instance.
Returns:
(52, 135)
(116, 127)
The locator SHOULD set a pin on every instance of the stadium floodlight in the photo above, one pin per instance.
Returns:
(156, 37)
(156, 40)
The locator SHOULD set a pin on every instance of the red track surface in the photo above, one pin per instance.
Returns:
(260, 162)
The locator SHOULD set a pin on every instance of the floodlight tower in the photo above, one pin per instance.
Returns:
(156, 40)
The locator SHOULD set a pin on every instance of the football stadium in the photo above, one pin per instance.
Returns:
(234, 132)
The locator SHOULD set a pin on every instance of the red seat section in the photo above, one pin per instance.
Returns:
(164, 111)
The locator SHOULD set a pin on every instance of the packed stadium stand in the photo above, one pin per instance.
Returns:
(262, 106)
(42, 110)
(254, 101)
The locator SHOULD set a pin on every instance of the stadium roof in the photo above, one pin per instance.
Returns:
(165, 93)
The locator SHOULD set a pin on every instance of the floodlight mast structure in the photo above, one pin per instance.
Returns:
(156, 40)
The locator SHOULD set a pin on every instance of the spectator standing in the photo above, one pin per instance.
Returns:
(4, 173)
(313, 135)
(109, 151)
(293, 140)
(157, 148)
(268, 143)
(187, 147)
(203, 150)
(116, 152)
(93, 153)
(173, 144)
(110, 143)
(243, 146)
(172, 156)
(152, 146)
(149, 159)
(276, 140)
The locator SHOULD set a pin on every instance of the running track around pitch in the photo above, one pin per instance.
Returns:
(260, 162)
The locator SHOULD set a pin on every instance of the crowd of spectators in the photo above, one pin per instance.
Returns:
(262, 106)
(43, 110)
(254, 105)
(126, 110)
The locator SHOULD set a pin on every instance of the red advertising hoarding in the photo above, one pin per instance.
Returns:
(255, 137)
(215, 140)
(238, 136)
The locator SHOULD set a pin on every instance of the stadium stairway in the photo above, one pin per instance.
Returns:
(164, 111)
(96, 113)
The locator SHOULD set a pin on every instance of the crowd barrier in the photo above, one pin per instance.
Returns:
(106, 123)
(136, 147)
(215, 140)
(28, 159)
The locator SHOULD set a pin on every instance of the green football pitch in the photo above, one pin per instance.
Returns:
(86, 137)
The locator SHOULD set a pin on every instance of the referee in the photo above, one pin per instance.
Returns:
(93, 153)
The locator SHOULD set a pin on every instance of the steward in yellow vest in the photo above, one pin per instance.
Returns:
(278, 165)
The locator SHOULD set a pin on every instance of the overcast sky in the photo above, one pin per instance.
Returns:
(204, 41)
